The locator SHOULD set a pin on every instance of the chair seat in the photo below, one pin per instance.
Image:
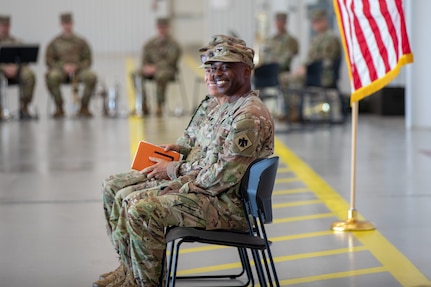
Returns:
(220, 237)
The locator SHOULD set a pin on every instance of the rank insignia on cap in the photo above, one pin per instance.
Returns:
(242, 142)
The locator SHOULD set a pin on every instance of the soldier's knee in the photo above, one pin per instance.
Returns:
(54, 78)
(89, 78)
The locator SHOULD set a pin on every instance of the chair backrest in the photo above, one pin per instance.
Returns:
(266, 75)
(257, 185)
(336, 76)
(314, 74)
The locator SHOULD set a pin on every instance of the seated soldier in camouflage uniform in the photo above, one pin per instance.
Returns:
(69, 57)
(242, 130)
(325, 47)
(118, 186)
(27, 78)
(159, 62)
(282, 47)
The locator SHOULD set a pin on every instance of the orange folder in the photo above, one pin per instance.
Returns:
(145, 150)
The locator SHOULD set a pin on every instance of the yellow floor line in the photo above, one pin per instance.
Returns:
(281, 170)
(286, 180)
(297, 203)
(301, 218)
(321, 277)
(392, 259)
(290, 191)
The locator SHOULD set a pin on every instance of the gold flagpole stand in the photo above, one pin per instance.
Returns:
(352, 223)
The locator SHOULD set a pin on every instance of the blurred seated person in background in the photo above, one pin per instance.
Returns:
(69, 58)
(325, 47)
(27, 78)
(282, 47)
(324, 52)
(159, 62)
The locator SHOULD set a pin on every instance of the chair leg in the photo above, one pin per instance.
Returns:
(169, 264)
(259, 268)
(172, 266)
(246, 265)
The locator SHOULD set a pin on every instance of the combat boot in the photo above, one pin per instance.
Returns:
(59, 113)
(159, 111)
(84, 112)
(129, 281)
(105, 275)
(24, 113)
(118, 276)
(145, 110)
(119, 281)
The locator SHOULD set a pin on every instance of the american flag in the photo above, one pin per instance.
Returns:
(375, 41)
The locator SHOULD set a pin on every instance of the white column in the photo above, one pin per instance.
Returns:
(418, 96)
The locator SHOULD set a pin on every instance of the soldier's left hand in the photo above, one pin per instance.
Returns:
(157, 170)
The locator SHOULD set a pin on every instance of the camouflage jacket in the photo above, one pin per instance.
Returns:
(325, 46)
(9, 40)
(62, 50)
(282, 48)
(191, 144)
(241, 131)
(162, 53)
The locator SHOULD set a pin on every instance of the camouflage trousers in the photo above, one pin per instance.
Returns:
(116, 187)
(28, 82)
(55, 77)
(140, 232)
(161, 78)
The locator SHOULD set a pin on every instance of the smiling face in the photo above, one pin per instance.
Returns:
(231, 78)
(209, 81)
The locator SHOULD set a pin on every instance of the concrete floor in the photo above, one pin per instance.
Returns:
(51, 223)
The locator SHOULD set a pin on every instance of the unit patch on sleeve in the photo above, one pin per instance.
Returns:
(242, 142)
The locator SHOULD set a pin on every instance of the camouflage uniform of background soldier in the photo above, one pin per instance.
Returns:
(68, 49)
(282, 47)
(27, 78)
(118, 186)
(242, 131)
(159, 60)
(324, 46)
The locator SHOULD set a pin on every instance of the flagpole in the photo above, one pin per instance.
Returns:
(352, 223)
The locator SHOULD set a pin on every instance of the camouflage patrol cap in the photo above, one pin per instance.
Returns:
(162, 22)
(318, 14)
(281, 16)
(234, 53)
(4, 19)
(66, 18)
(218, 39)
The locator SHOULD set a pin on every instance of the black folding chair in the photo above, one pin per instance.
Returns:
(318, 103)
(256, 189)
(265, 79)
